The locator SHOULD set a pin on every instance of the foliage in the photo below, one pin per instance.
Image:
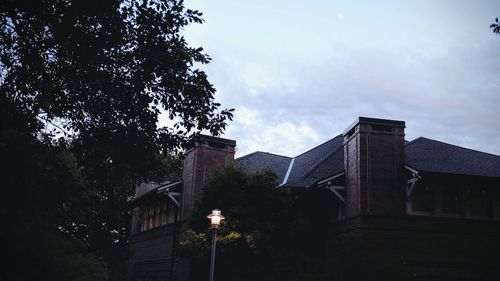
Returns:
(106, 69)
(51, 256)
(96, 75)
(495, 26)
(40, 180)
(267, 234)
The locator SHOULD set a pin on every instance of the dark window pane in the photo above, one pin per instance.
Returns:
(479, 202)
(451, 200)
(422, 199)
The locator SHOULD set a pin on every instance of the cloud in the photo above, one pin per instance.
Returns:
(256, 133)
(296, 85)
(257, 76)
(323, 99)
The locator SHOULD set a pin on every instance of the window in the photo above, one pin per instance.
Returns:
(163, 213)
(171, 214)
(422, 199)
(145, 220)
(156, 215)
(451, 200)
(454, 197)
(478, 202)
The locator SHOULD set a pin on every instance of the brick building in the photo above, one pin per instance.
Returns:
(397, 210)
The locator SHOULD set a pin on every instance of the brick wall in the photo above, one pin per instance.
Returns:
(379, 241)
(371, 247)
(151, 254)
(374, 164)
(201, 163)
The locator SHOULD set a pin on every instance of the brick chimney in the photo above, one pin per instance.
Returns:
(208, 155)
(374, 154)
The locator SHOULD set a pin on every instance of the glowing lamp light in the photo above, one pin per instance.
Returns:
(215, 218)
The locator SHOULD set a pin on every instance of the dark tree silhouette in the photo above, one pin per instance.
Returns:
(269, 233)
(495, 26)
(103, 70)
(96, 74)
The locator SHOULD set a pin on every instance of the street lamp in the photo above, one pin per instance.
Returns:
(215, 219)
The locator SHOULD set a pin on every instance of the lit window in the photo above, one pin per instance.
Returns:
(163, 213)
(151, 217)
(156, 215)
(170, 214)
(141, 219)
(145, 220)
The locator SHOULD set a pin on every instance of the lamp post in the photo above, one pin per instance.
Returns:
(215, 219)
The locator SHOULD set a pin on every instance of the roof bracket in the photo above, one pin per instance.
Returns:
(335, 189)
(329, 179)
(171, 196)
(410, 183)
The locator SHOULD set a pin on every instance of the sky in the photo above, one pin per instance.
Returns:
(300, 72)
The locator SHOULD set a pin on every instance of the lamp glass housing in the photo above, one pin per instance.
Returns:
(215, 218)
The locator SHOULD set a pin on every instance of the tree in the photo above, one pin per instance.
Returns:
(269, 233)
(37, 176)
(82, 84)
(495, 26)
(101, 72)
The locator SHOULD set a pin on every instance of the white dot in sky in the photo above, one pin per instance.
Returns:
(341, 16)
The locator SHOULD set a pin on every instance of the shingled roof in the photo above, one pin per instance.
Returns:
(428, 155)
(258, 161)
(302, 170)
(327, 159)
(317, 163)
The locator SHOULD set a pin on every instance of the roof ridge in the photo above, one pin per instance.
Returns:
(247, 155)
(414, 141)
(258, 151)
(466, 148)
(339, 135)
(275, 154)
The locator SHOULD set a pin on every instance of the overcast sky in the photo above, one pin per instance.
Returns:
(299, 72)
